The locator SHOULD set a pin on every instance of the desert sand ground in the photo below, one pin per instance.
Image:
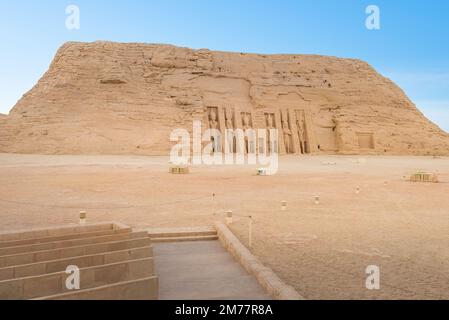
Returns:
(322, 250)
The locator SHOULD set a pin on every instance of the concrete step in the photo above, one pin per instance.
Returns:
(160, 235)
(185, 239)
(180, 232)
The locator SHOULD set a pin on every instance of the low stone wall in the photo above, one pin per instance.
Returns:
(264, 275)
(54, 266)
(70, 243)
(56, 231)
(18, 243)
(142, 289)
(60, 253)
(92, 277)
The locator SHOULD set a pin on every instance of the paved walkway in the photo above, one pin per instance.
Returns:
(202, 271)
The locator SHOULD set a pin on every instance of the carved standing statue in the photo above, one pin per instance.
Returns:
(301, 135)
(213, 125)
(230, 147)
(337, 129)
(213, 121)
(287, 134)
(271, 142)
(246, 125)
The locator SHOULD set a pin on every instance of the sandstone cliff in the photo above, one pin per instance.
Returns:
(113, 98)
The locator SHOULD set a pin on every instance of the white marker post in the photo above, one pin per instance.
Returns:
(284, 206)
(83, 216)
(229, 217)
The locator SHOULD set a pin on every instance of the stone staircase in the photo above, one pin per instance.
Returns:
(114, 263)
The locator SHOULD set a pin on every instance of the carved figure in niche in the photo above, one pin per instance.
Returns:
(213, 119)
(335, 123)
(336, 129)
(271, 141)
(214, 125)
(246, 121)
(246, 125)
(231, 143)
(301, 125)
(287, 134)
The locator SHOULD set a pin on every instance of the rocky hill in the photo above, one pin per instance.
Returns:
(114, 98)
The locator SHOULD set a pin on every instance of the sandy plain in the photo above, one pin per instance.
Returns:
(322, 250)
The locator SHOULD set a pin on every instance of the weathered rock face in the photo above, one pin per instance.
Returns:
(112, 98)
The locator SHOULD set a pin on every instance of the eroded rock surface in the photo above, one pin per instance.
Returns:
(113, 98)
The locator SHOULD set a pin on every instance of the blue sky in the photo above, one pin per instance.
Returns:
(411, 48)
